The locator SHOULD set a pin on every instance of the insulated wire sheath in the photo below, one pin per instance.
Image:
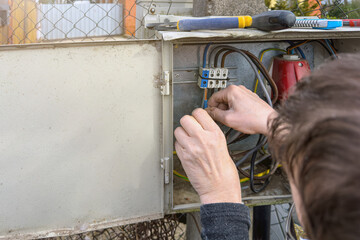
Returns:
(205, 54)
(267, 96)
(261, 58)
(258, 64)
(252, 183)
(330, 48)
(251, 151)
(242, 180)
(203, 102)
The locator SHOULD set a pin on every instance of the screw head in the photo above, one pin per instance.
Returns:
(300, 64)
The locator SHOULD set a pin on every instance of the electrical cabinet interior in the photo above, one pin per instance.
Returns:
(185, 58)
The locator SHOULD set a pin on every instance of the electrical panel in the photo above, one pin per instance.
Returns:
(191, 78)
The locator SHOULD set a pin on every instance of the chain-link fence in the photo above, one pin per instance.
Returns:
(34, 21)
(171, 227)
(340, 9)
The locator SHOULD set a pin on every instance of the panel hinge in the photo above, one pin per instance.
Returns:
(165, 165)
(165, 87)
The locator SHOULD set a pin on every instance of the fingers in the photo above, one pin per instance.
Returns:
(181, 136)
(179, 150)
(224, 96)
(219, 115)
(204, 119)
(190, 125)
(223, 106)
(220, 97)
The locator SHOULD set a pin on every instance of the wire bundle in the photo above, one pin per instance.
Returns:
(221, 52)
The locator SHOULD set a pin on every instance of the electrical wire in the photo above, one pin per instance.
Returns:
(204, 101)
(288, 222)
(298, 49)
(254, 63)
(242, 180)
(205, 54)
(261, 56)
(296, 46)
(195, 221)
(252, 59)
(258, 69)
(331, 49)
(246, 55)
(325, 43)
(252, 182)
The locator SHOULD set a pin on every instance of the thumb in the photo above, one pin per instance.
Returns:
(218, 114)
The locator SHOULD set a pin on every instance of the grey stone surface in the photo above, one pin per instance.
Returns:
(228, 7)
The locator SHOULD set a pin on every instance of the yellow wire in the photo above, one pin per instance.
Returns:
(261, 58)
(242, 180)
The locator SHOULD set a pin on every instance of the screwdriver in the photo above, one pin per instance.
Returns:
(266, 21)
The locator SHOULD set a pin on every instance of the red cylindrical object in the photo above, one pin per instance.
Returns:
(287, 71)
(351, 22)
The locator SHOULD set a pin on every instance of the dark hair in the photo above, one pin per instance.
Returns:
(316, 136)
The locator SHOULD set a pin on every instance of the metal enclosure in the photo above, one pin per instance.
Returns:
(87, 128)
(80, 137)
(182, 56)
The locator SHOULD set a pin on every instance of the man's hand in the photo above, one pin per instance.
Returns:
(241, 109)
(203, 153)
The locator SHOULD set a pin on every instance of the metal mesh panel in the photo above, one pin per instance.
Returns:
(34, 21)
(167, 228)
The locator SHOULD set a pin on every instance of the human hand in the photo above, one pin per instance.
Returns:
(203, 153)
(241, 109)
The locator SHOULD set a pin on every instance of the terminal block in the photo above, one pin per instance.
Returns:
(213, 77)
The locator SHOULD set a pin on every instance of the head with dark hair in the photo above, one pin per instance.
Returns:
(316, 136)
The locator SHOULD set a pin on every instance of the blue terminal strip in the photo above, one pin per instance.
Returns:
(204, 78)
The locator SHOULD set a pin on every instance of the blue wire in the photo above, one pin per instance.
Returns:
(332, 51)
(298, 49)
(204, 104)
(205, 54)
(301, 52)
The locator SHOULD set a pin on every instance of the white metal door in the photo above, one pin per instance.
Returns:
(79, 137)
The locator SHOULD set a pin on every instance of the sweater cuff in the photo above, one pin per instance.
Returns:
(225, 221)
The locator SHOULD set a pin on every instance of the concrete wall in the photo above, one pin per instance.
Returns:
(228, 7)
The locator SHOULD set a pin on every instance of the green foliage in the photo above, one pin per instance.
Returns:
(351, 10)
(281, 5)
(267, 3)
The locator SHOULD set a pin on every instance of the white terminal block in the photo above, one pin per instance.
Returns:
(213, 77)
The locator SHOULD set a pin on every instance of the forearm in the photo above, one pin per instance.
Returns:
(267, 120)
(225, 221)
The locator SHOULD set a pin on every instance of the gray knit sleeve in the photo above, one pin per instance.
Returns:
(228, 221)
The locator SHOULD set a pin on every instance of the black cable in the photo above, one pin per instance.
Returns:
(252, 170)
(317, 41)
(262, 140)
(256, 65)
(259, 66)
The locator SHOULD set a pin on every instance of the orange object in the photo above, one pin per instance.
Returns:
(129, 7)
(316, 11)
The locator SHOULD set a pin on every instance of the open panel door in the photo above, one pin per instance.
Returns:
(80, 130)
